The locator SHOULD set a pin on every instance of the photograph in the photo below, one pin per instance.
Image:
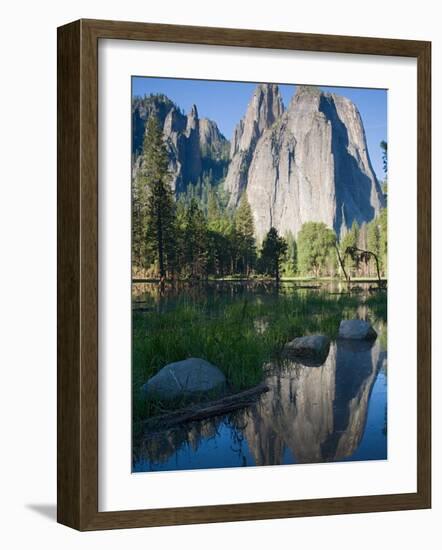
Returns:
(226, 218)
(259, 273)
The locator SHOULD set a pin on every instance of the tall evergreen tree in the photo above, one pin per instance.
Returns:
(196, 242)
(179, 254)
(218, 253)
(245, 236)
(139, 259)
(213, 210)
(274, 249)
(232, 236)
(160, 206)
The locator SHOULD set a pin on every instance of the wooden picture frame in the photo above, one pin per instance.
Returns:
(78, 274)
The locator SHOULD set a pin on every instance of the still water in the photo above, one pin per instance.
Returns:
(328, 413)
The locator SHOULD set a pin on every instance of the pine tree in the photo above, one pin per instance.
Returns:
(139, 259)
(196, 242)
(160, 206)
(213, 210)
(274, 249)
(218, 253)
(245, 235)
(180, 236)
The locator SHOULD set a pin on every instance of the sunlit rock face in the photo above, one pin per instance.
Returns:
(211, 139)
(174, 131)
(263, 111)
(192, 164)
(309, 163)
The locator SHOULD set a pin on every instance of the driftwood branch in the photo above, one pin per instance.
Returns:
(209, 409)
(341, 263)
(359, 254)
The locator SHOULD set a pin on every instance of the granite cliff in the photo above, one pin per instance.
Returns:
(307, 163)
(264, 109)
(195, 146)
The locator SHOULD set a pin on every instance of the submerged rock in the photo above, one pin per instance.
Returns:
(184, 379)
(310, 350)
(356, 329)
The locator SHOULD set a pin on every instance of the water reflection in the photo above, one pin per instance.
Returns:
(146, 295)
(311, 414)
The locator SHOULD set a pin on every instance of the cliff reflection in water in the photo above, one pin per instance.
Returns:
(310, 414)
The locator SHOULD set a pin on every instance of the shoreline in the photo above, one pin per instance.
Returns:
(262, 280)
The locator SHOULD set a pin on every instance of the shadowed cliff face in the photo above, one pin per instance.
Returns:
(194, 145)
(309, 163)
(310, 414)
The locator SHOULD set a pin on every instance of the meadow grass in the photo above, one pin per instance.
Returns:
(239, 336)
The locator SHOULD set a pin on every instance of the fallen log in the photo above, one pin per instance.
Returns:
(205, 410)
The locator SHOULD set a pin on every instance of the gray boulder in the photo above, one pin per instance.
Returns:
(356, 329)
(184, 379)
(309, 350)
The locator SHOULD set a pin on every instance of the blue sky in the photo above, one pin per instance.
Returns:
(226, 104)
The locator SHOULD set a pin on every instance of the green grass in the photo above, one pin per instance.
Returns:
(239, 335)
